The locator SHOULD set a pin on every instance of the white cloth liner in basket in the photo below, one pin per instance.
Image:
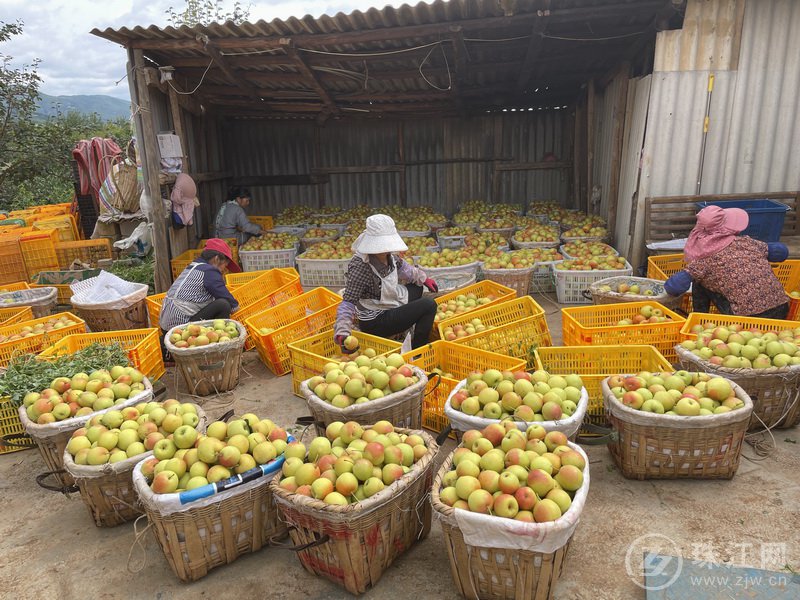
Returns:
(451, 278)
(464, 422)
(73, 423)
(488, 531)
(32, 297)
(106, 291)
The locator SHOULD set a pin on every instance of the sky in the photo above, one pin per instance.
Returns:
(75, 62)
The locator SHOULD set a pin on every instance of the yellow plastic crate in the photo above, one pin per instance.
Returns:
(725, 320)
(482, 289)
(39, 251)
(154, 308)
(142, 345)
(233, 244)
(664, 266)
(64, 224)
(595, 363)
(291, 320)
(14, 286)
(12, 265)
(263, 221)
(310, 355)
(34, 343)
(180, 262)
(456, 360)
(518, 327)
(794, 308)
(233, 280)
(269, 289)
(86, 251)
(11, 425)
(9, 316)
(597, 325)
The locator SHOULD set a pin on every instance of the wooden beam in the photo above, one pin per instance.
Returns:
(532, 53)
(311, 78)
(232, 76)
(151, 167)
(565, 15)
(535, 166)
(275, 180)
(618, 124)
(187, 102)
(358, 169)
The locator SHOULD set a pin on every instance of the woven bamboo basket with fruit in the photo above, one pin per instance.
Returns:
(632, 289)
(352, 529)
(694, 429)
(507, 530)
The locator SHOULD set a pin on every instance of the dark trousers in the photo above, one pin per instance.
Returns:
(702, 298)
(419, 312)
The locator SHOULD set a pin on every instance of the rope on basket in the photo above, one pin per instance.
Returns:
(137, 541)
(761, 446)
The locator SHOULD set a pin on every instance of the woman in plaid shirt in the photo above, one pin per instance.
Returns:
(383, 292)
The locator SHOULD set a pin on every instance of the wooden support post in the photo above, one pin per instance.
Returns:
(177, 123)
(589, 143)
(148, 149)
(461, 55)
(618, 124)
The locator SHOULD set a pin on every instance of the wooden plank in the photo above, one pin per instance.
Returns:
(177, 123)
(186, 101)
(148, 149)
(535, 166)
(618, 124)
(276, 180)
(359, 169)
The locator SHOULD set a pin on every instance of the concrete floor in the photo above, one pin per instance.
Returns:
(50, 548)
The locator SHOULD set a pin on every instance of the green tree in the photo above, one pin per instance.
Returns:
(203, 12)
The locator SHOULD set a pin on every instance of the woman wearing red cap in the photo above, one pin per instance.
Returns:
(731, 270)
(199, 293)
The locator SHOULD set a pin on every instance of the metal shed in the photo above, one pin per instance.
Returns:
(432, 104)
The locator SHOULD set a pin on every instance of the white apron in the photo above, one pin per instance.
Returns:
(393, 293)
(187, 307)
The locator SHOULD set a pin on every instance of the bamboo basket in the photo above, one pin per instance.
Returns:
(52, 439)
(659, 294)
(654, 446)
(353, 545)
(41, 300)
(494, 573)
(518, 280)
(775, 392)
(201, 535)
(107, 490)
(134, 316)
(403, 408)
(210, 369)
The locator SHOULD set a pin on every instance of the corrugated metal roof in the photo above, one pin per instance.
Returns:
(414, 63)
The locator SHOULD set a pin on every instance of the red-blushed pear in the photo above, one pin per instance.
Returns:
(466, 467)
(164, 449)
(570, 478)
(304, 490)
(373, 452)
(494, 433)
(198, 469)
(393, 455)
(516, 456)
(278, 433)
(372, 486)
(546, 510)
(525, 516)
(335, 498)
(218, 473)
(392, 473)
(551, 411)
(217, 430)
(574, 458)
(633, 400)
(561, 498)
(521, 473)
(553, 439)
(540, 482)
(467, 485)
(321, 487)
(346, 484)
(333, 429)
(526, 498)
(480, 501)
(508, 482)
(148, 468)
(505, 505)
(264, 452)
(535, 432)
(481, 446)
(448, 495)
(494, 460)
(229, 457)
(632, 383)
(490, 481)
(165, 482)
(468, 438)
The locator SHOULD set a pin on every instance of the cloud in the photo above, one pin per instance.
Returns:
(75, 62)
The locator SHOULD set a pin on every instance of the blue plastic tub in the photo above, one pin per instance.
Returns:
(766, 216)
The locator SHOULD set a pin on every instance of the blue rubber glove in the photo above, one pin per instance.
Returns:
(678, 284)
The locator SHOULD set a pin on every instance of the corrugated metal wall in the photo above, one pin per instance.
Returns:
(604, 143)
(298, 147)
(753, 131)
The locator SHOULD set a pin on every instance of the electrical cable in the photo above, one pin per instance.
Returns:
(177, 91)
(449, 75)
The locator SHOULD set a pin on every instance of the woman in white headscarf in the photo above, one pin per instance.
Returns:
(383, 292)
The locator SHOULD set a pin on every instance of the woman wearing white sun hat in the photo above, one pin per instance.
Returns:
(383, 292)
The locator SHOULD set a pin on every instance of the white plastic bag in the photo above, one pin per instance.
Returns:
(106, 291)
(141, 234)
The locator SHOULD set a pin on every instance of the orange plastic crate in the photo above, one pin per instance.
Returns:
(263, 221)
(180, 262)
(481, 289)
(86, 251)
(309, 356)
(794, 308)
(270, 289)
(142, 345)
(154, 308)
(664, 266)
(34, 344)
(725, 320)
(9, 316)
(595, 363)
(64, 224)
(234, 280)
(12, 265)
(518, 327)
(291, 320)
(39, 251)
(597, 325)
(455, 361)
(14, 287)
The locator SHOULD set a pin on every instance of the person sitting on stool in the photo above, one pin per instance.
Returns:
(199, 292)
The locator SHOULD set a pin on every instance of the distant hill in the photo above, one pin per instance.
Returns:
(107, 107)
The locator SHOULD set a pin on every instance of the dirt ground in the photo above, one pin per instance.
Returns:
(50, 548)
